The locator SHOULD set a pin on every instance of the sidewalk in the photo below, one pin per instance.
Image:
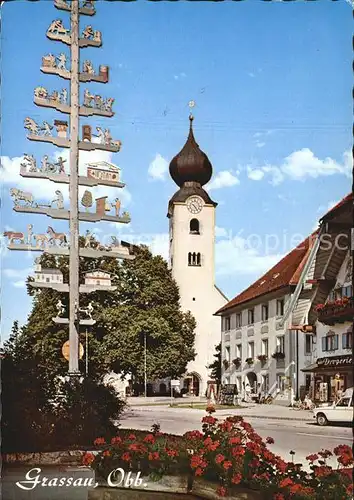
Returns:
(270, 412)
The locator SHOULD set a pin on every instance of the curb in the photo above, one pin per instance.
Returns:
(224, 413)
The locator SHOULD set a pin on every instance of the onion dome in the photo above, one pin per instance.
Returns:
(191, 164)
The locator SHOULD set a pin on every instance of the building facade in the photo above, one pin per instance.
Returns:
(324, 305)
(191, 214)
(259, 352)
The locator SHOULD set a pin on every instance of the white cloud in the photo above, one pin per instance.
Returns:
(43, 189)
(252, 75)
(220, 232)
(179, 76)
(255, 174)
(325, 208)
(17, 277)
(303, 164)
(158, 168)
(222, 179)
(236, 256)
(19, 284)
(260, 144)
(276, 174)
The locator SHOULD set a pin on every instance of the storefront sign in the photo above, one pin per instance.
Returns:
(335, 361)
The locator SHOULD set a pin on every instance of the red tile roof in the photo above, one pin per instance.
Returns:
(334, 209)
(284, 273)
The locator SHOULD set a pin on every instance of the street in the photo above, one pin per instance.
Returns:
(302, 436)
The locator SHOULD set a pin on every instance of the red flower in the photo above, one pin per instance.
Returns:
(131, 437)
(172, 453)
(106, 453)
(312, 458)
(149, 439)
(193, 435)
(209, 420)
(279, 496)
(286, 482)
(322, 471)
(99, 441)
(235, 440)
(236, 479)
(221, 491)
(197, 461)
(269, 440)
(199, 471)
(116, 440)
(210, 444)
(88, 458)
(126, 457)
(154, 455)
(210, 409)
(325, 453)
(219, 458)
(238, 451)
(227, 464)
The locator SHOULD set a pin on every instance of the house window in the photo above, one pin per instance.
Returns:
(308, 344)
(265, 347)
(251, 350)
(194, 259)
(281, 344)
(238, 320)
(347, 291)
(250, 316)
(332, 296)
(194, 226)
(330, 342)
(227, 354)
(307, 382)
(280, 307)
(347, 340)
(227, 323)
(264, 312)
(97, 282)
(47, 280)
(239, 351)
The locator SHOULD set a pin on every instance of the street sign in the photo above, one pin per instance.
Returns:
(175, 383)
(66, 349)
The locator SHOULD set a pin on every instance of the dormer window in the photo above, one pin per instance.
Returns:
(194, 259)
(194, 226)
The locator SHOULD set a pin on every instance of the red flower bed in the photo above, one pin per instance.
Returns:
(228, 453)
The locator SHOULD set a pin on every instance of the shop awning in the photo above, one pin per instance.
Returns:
(310, 368)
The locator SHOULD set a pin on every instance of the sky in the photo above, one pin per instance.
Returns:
(271, 82)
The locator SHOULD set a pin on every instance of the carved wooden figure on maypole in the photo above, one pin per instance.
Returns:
(60, 169)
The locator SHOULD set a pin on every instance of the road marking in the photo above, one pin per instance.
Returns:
(346, 438)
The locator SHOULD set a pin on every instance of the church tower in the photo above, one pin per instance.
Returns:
(191, 214)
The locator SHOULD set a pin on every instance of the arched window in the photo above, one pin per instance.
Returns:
(194, 259)
(194, 226)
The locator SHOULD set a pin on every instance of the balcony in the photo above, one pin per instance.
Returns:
(338, 311)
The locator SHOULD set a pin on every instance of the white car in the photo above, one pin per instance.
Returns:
(341, 411)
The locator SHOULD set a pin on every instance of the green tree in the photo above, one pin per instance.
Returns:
(215, 367)
(145, 303)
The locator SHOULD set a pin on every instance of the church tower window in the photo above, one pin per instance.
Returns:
(194, 226)
(194, 259)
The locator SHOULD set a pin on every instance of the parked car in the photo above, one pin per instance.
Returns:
(340, 411)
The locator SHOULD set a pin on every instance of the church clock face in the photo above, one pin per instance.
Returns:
(194, 204)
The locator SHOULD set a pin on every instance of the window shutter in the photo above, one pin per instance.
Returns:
(335, 346)
(324, 344)
(344, 340)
